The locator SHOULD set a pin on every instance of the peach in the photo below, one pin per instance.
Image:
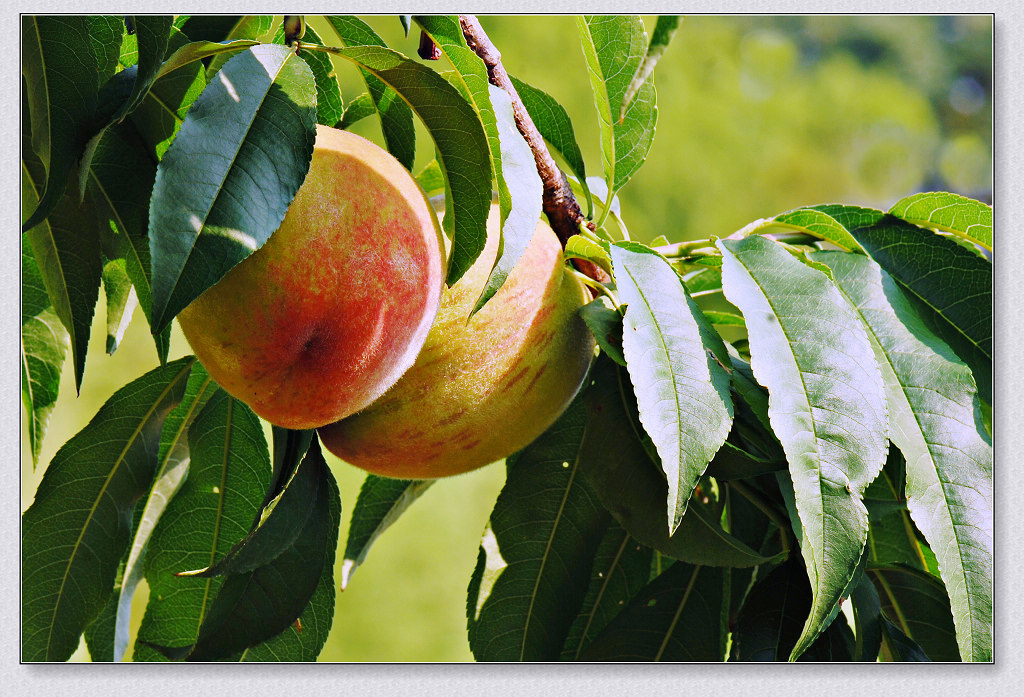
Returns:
(334, 307)
(482, 387)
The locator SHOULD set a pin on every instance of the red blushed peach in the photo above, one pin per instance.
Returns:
(484, 388)
(328, 314)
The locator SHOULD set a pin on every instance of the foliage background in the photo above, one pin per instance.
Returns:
(757, 115)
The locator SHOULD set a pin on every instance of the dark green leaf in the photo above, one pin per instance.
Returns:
(245, 27)
(664, 30)
(899, 647)
(172, 468)
(329, 107)
(555, 126)
(44, 344)
(916, 602)
(629, 484)
(891, 536)
(228, 473)
(621, 568)
(676, 617)
(936, 422)
(461, 145)
(76, 531)
(605, 324)
(810, 349)
(304, 639)
(867, 614)
(703, 282)
(952, 285)
(224, 185)
(121, 177)
(121, 301)
(962, 216)
(381, 501)
(106, 33)
(614, 47)
(151, 32)
(534, 564)
(257, 605)
(188, 53)
(99, 634)
(395, 115)
(682, 388)
(360, 108)
(59, 67)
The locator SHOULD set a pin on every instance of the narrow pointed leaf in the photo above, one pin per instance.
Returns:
(952, 284)
(66, 251)
(867, 613)
(605, 323)
(850, 217)
(461, 145)
(621, 568)
(106, 32)
(892, 537)
(936, 423)
(44, 344)
(59, 68)
(329, 106)
(245, 27)
(381, 502)
(614, 47)
(259, 604)
(664, 30)
(897, 646)
(703, 282)
(535, 559)
(121, 301)
(682, 391)
(676, 617)
(151, 32)
(360, 108)
(396, 122)
(76, 530)
(555, 126)
(229, 470)
(809, 347)
(820, 224)
(304, 639)
(193, 51)
(224, 185)
(628, 483)
(916, 602)
(121, 177)
(172, 468)
(962, 216)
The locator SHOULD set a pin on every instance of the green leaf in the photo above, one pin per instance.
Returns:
(362, 107)
(76, 530)
(964, 217)
(891, 536)
(172, 468)
(151, 32)
(605, 323)
(867, 614)
(621, 569)
(259, 604)
(614, 47)
(534, 564)
(329, 106)
(193, 51)
(664, 30)
(897, 646)
(66, 250)
(381, 502)
(59, 68)
(395, 115)
(810, 349)
(820, 224)
(245, 27)
(936, 422)
(228, 473)
(729, 319)
(304, 639)
(519, 193)
(431, 179)
(121, 178)
(916, 602)
(555, 126)
(224, 185)
(676, 617)
(703, 282)
(682, 391)
(121, 301)
(44, 344)
(629, 484)
(952, 284)
(580, 247)
(106, 32)
(461, 145)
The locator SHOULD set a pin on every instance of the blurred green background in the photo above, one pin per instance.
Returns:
(756, 115)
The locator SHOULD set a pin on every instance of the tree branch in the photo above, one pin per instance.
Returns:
(560, 205)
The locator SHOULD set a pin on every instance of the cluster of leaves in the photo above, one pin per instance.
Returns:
(659, 519)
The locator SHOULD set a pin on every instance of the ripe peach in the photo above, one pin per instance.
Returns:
(484, 388)
(328, 314)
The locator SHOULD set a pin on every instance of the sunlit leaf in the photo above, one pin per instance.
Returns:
(664, 30)
(121, 301)
(329, 106)
(962, 216)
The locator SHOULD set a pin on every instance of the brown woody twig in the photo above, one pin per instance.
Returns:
(560, 205)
